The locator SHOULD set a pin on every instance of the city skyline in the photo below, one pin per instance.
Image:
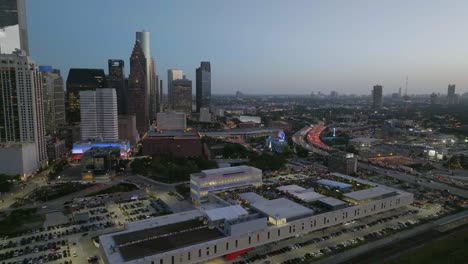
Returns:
(268, 49)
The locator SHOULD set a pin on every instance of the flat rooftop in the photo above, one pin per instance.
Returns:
(291, 188)
(309, 196)
(226, 172)
(332, 201)
(281, 208)
(228, 213)
(167, 243)
(131, 237)
(371, 193)
(151, 241)
(252, 197)
(334, 183)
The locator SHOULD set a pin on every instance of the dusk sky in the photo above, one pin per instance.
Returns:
(266, 46)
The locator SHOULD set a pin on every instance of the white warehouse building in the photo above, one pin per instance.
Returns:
(200, 235)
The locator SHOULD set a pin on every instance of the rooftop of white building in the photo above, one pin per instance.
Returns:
(282, 208)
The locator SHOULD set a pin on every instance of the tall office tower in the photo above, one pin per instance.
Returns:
(99, 119)
(79, 80)
(182, 95)
(137, 102)
(143, 37)
(153, 92)
(13, 26)
(22, 126)
(54, 99)
(203, 83)
(377, 97)
(116, 79)
(172, 75)
(451, 97)
(161, 98)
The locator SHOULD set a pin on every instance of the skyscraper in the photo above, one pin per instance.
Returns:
(22, 132)
(13, 26)
(154, 96)
(98, 110)
(137, 97)
(377, 97)
(161, 96)
(54, 99)
(203, 83)
(78, 80)
(116, 79)
(451, 96)
(182, 95)
(172, 74)
(143, 37)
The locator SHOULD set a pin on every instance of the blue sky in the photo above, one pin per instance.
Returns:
(266, 46)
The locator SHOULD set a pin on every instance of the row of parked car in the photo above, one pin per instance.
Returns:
(29, 250)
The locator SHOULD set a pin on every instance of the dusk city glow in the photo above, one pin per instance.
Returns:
(237, 132)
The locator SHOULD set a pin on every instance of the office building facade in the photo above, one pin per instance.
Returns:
(203, 86)
(172, 75)
(222, 178)
(54, 99)
(154, 94)
(13, 27)
(81, 80)
(377, 101)
(451, 96)
(116, 79)
(182, 95)
(137, 97)
(342, 163)
(171, 121)
(99, 120)
(22, 124)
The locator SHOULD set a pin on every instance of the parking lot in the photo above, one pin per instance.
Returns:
(72, 241)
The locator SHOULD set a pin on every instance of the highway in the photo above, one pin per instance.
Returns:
(299, 139)
(414, 179)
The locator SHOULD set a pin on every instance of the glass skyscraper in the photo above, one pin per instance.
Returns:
(203, 85)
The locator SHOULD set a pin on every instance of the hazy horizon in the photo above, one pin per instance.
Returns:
(266, 47)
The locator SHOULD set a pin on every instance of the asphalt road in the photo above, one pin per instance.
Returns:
(413, 179)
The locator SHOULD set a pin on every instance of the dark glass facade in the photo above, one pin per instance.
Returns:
(137, 101)
(182, 92)
(203, 85)
(78, 80)
(116, 79)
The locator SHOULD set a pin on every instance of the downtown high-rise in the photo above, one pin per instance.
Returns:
(99, 119)
(22, 124)
(182, 95)
(377, 101)
(451, 96)
(172, 75)
(203, 85)
(116, 79)
(81, 79)
(143, 96)
(137, 97)
(54, 99)
(13, 26)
